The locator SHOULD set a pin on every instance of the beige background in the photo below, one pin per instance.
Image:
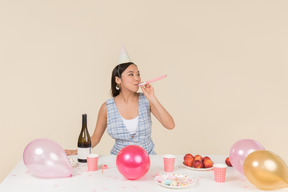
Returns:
(226, 63)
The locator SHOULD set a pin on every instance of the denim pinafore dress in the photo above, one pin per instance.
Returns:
(118, 131)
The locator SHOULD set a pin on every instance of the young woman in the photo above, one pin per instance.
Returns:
(127, 115)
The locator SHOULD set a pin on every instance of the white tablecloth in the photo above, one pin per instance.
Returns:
(20, 179)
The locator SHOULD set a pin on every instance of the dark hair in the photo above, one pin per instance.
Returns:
(117, 71)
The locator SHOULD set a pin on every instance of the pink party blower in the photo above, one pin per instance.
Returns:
(152, 80)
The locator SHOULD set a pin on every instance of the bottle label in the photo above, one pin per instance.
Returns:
(83, 153)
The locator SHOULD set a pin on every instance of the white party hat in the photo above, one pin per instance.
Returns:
(124, 58)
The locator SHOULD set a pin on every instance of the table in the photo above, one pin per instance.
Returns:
(20, 179)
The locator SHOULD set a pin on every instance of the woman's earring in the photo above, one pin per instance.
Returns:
(117, 87)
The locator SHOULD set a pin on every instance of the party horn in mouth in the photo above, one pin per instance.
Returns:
(152, 80)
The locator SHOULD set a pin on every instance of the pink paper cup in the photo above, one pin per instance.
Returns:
(92, 162)
(219, 172)
(169, 161)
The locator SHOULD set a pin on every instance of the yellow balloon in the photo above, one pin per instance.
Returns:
(266, 170)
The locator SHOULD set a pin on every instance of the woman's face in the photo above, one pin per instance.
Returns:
(130, 78)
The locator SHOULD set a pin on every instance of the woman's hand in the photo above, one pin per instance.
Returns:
(156, 108)
(70, 152)
(148, 91)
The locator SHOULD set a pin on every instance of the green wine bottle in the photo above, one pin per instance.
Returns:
(84, 141)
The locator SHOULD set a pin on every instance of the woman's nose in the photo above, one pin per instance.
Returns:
(137, 78)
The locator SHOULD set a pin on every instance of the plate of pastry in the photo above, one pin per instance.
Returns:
(175, 181)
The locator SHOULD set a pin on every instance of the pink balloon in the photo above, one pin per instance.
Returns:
(240, 150)
(45, 158)
(133, 162)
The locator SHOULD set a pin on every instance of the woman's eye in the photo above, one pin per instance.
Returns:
(139, 74)
(130, 74)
